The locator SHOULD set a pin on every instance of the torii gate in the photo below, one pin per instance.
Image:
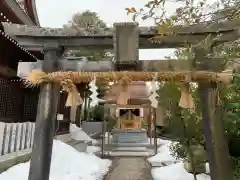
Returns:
(125, 38)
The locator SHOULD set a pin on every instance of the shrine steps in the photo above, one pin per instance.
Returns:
(128, 154)
(137, 136)
(129, 144)
(128, 151)
(131, 149)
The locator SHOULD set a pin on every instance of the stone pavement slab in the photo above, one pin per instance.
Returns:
(129, 168)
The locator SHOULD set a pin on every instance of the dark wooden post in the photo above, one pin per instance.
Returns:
(46, 116)
(155, 129)
(85, 104)
(79, 118)
(103, 131)
(150, 124)
(108, 124)
(218, 155)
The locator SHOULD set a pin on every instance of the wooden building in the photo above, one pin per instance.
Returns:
(17, 103)
(136, 114)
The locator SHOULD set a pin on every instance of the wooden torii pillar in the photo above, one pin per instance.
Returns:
(217, 148)
(46, 117)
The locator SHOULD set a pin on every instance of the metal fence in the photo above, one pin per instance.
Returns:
(16, 137)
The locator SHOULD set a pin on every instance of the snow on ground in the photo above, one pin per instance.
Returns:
(159, 141)
(67, 164)
(163, 157)
(166, 164)
(78, 134)
(108, 134)
(93, 149)
(175, 172)
(207, 168)
(108, 137)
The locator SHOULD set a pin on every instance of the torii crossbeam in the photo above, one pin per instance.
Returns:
(33, 38)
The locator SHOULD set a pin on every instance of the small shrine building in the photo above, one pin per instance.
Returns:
(135, 114)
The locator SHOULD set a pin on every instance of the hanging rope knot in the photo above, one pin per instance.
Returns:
(225, 77)
(36, 77)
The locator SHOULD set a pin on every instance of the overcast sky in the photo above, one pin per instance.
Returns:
(55, 13)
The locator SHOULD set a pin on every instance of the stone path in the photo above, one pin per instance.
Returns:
(129, 168)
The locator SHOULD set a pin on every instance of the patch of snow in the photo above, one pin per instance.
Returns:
(169, 168)
(93, 149)
(207, 168)
(79, 135)
(175, 172)
(108, 135)
(159, 141)
(67, 164)
(163, 157)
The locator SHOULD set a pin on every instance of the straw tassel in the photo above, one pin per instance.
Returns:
(74, 97)
(124, 94)
(123, 98)
(186, 100)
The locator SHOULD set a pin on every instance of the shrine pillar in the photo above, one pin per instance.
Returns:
(217, 149)
(46, 117)
(142, 117)
(118, 117)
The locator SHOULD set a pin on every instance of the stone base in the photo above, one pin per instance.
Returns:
(130, 149)
(136, 136)
(64, 137)
(128, 154)
(14, 158)
(201, 168)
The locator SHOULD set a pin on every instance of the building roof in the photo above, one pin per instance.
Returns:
(138, 90)
(19, 11)
(30, 6)
(12, 11)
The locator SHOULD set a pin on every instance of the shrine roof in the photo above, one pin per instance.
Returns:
(19, 11)
(139, 92)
